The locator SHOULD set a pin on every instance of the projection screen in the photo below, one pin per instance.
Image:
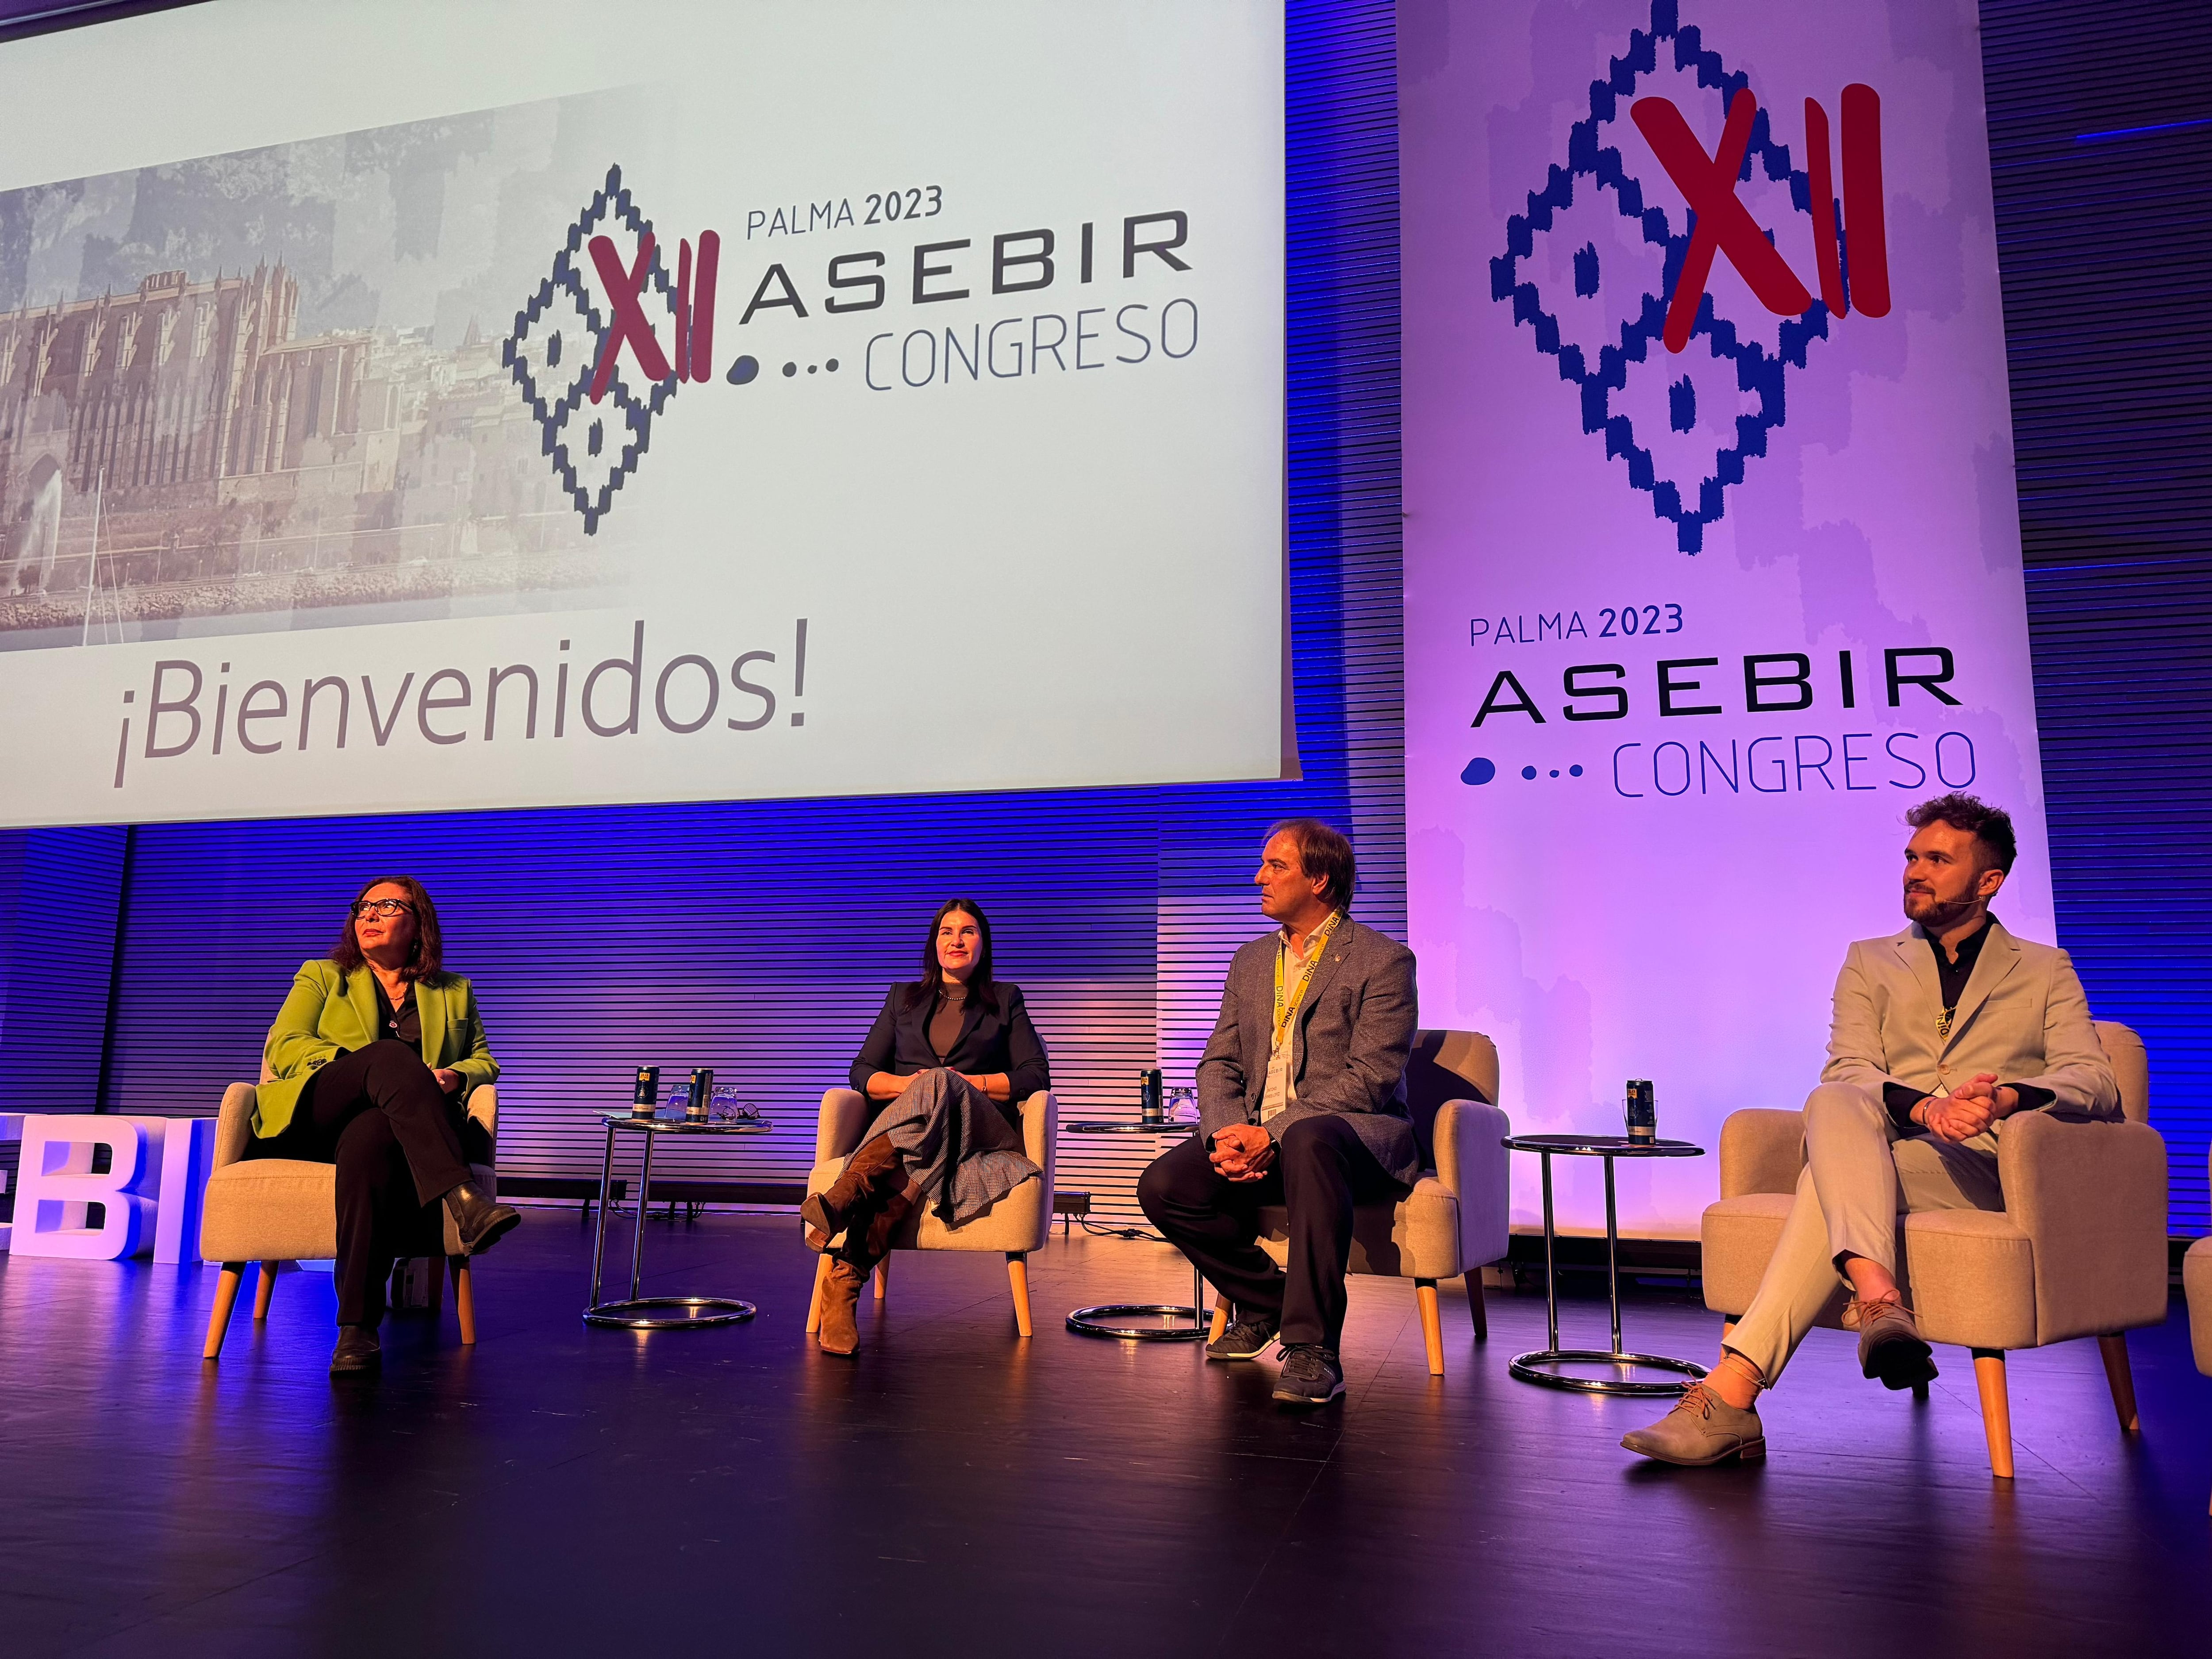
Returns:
(410, 406)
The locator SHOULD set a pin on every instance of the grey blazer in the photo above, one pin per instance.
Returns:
(2022, 1016)
(1348, 1043)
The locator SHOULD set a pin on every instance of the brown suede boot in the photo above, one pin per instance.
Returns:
(870, 1172)
(869, 1226)
(881, 1223)
(840, 1304)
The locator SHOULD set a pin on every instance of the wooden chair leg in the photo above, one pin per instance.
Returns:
(1018, 1275)
(1476, 1305)
(1220, 1317)
(226, 1298)
(264, 1287)
(2122, 1379)
(1432, 1324)
(882, 1276)
(1728, 1330)
(1996, 1409)
(465, 1297)
(814, 1307)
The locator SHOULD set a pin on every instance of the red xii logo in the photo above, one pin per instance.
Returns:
(695, 311)
(1850, 247)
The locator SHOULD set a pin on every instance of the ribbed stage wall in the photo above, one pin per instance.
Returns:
(758, 938)
(2100, 146)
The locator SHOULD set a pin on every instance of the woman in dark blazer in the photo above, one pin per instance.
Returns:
(369, 1062)
(951, 1058)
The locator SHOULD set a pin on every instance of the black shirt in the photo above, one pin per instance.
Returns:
(403, 1023)
(1952, 976)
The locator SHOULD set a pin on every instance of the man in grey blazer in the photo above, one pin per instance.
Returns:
(1301, 1098)
(1940, 1033)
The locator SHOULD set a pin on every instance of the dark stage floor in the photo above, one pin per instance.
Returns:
(956, 1491)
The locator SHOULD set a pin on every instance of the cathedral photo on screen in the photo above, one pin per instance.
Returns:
(264, 389)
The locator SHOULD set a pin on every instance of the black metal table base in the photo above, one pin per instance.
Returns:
(1097, 1322)
(1529, 1368)
(653, 1313)
(1108, 1319)
(1102, 1320)
(648, 1313)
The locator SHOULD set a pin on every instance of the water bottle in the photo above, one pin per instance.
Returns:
(694, 1103)
(645, 1094)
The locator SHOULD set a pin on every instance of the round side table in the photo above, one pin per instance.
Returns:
(656, 1313)
(1537, 1367)
(1110, 1319)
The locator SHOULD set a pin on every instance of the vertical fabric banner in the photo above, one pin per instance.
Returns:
(1712, 550)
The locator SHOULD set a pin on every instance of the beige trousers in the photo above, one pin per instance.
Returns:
(1859, 1178)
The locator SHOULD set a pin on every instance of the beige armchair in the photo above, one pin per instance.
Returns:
(275, 1209)
(2078, 1251)
(2196, 1282)
(1455, 1220)
(1015, 1225)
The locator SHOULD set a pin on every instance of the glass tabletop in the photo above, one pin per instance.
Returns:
(678, 1126)
(1603, 1147)
(1123, 1127)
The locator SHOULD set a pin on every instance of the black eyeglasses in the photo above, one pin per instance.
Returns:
(385, 909)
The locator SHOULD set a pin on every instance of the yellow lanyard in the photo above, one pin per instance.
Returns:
(1286, 1013)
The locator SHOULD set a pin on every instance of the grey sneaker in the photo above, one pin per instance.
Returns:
(1702, 1429)
(1247, 1338)
(1311, 1375)
(1891, 1348)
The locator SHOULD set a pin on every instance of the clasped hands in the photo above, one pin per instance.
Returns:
(1970, 1109)
(1243, 1152)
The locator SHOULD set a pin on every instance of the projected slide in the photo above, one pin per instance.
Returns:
(515, 405)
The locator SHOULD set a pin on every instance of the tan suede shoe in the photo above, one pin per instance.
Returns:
(1702, 1429)
(1891, 1348)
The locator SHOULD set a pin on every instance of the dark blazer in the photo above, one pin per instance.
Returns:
(1348, 1043)
(990, 1041)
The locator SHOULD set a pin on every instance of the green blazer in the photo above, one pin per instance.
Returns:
(328, 1010)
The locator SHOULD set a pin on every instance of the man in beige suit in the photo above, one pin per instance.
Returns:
(1940, 1033)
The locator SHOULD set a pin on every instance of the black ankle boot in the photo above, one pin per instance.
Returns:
(358, 1350)
(482, 1223)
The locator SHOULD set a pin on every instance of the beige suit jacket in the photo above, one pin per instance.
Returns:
(2022, 1016)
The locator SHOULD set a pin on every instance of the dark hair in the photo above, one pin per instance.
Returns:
(1322, 852)
(427, 961)
(932, 970)
(1990, 826)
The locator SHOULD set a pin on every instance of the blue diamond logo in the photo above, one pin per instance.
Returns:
(554, 348)
(1589, 267)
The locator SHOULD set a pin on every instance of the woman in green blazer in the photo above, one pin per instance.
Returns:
(371, 1059)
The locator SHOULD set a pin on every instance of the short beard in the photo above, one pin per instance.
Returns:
(1941, 917)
